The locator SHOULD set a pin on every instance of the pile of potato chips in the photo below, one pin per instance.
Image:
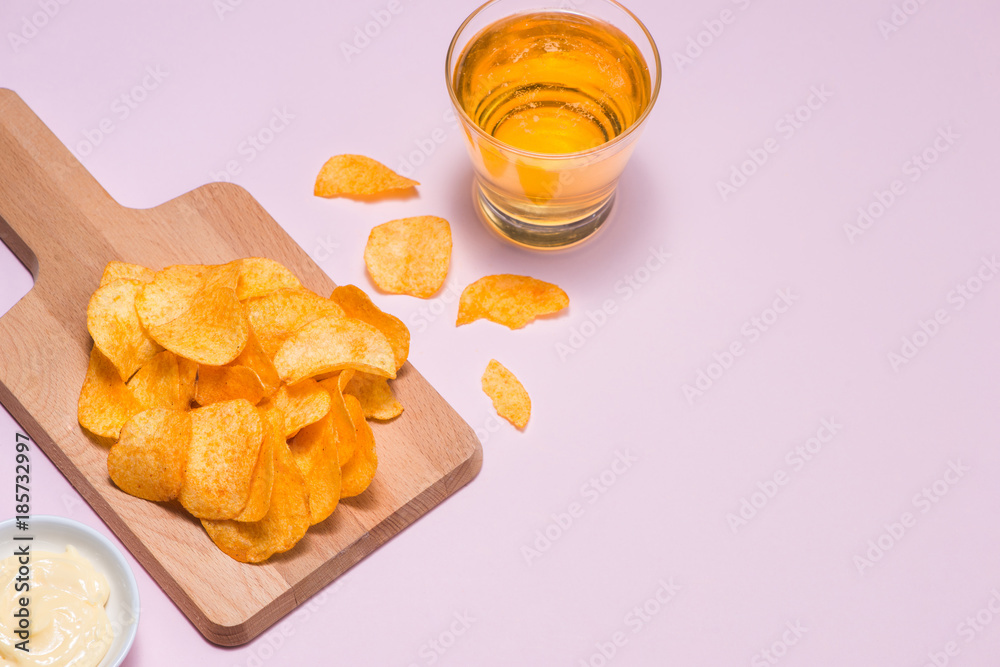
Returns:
(240, 393)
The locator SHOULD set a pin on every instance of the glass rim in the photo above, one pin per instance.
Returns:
(608, 145)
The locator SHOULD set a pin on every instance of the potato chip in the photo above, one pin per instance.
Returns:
(276, 316)
(301, 404)
(509, 398)
(226, 383)
(512, 301)
(158, 384)
(333, 344)
(314, 451)
(375, 395)
(256, 359)
(150, 457)
(187, 371)
(356, 304)
(115, 328)
(360, 469)
(357, 175)
(271, 422)
(225, 444)
(343, 427)
(410, 256)
(116, 270)
(285, 523)
(169, 294)
(259, 276)
(105, 401)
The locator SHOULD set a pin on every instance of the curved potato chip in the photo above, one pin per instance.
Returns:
(260, 275)
(375, 395)
(116, 270)
(510, 300)
(410, 256)
(169, 294)
(188, 372)
(114, 325)
(357, 175)
(285, 523)
(343, 427)
(105, 402)
(254, 358)
(263, 473)
(509, 397)
(356, 304)
(314, 451)
(360, 469)
(225, 444)
(276, 316)
(150, 458)
(302, 403)
(333, 344)
(226, 383)
(158, 383)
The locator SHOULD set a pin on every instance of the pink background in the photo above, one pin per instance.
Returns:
(607, 378)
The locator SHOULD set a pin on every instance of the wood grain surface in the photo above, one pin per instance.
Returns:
(64, 227)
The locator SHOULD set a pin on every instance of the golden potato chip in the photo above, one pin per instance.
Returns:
(276, 316)
(158, 383)
(314, 451)
(302, 403)
(360, 469)
(169, 294)
(285, 523)
(259, 276)
(343, 427)
(512, 301)
(375, 395)
(225, 443)
(356, 304)
(116, 270)
(410, 256)
(262, 481)
(256, 359)
(114, 325)
(226, 383)
(150, 457)
(507, 393)
(333, 344)
(357, 175)
(187, 371)
(105, 401)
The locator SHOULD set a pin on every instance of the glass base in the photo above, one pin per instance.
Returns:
(542, 237)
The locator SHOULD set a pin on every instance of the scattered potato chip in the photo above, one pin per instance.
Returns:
(375, 395)
(314, 451)
(259, 276)
(333, 344)
(271, 422)
(225, 443)
(359, 471)
(226, 383)
(150, 457)
(302, 403)
(356, 304)
(354, 175)
(512, 301)
(158, 383)
(276, 316)
(105, 401)
(116, 270)
(115, 328)
(410, 256)
(285, 523)
(507, 393)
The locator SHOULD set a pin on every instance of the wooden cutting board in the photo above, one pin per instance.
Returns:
(64, 227)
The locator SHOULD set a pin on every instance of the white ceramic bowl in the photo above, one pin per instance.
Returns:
(53, 533)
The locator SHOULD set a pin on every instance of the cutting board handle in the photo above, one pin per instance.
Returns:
(47, 198)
